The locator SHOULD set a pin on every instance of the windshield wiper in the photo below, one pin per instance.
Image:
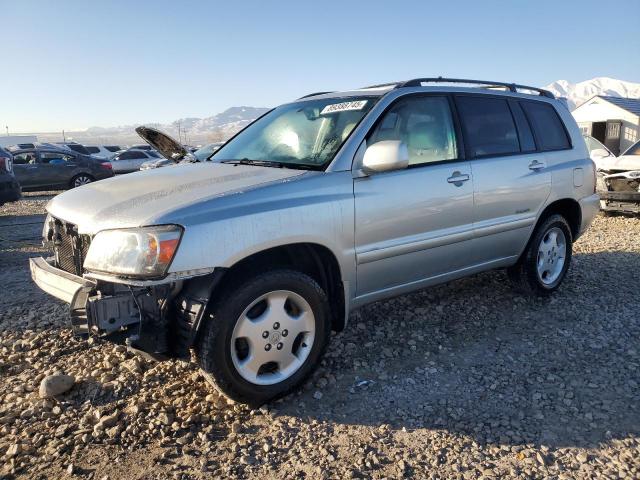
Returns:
(269, 163)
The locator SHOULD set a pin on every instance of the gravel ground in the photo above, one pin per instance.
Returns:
(465, 380)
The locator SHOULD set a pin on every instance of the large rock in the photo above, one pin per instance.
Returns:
(53, 385)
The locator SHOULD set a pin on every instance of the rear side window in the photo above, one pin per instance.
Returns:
(525, 136)
(131, 155)
(488, 126)
(112, 148)
(78, 148)
(55, 158)
(547, 126)
(93, 149)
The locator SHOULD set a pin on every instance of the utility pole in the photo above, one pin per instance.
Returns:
(63, 137)
(7, 127)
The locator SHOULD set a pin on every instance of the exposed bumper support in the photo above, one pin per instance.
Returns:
(56, 282)
(157, 319)
(621, 196)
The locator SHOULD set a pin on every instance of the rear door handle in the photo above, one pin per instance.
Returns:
(536, 165)
(458, 178)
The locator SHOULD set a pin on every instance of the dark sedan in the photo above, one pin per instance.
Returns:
(46, 168)
(9, 187)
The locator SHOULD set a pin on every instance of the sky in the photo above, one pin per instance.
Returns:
(76, 64)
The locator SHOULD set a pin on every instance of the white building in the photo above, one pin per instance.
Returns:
(614, 121)
(8, 140)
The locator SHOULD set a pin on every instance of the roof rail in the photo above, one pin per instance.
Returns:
(513, 87)
(380, 85)
(313, 94)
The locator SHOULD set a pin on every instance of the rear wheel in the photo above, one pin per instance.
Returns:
(81, 179)
(545, 262)
(264, 336)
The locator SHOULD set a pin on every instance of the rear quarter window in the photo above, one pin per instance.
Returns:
(547, 126)
(488, 126)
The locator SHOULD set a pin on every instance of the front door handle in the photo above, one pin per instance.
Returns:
(458, 178)
(536, 165)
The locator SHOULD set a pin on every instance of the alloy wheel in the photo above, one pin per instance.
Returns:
(273, 337)
(552, 253)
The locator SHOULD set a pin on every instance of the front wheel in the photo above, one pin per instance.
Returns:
(545, 262)
(81, 179)
(263, 336)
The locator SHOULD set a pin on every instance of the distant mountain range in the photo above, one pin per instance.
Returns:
(196, 131)
(578, 93)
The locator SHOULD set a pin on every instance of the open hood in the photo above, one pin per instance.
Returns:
(163, 143)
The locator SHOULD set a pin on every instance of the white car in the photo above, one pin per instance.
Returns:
(132, 160)
(618, 181)
(106, 152)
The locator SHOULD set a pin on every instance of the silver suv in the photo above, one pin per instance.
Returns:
(318, 207)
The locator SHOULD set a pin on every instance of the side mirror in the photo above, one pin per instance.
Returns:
(599, 153)
(385, 156)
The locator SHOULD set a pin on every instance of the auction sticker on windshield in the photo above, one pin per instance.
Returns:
(344, 106)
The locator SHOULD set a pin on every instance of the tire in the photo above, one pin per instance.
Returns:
(223, 339)
(81, 179)
(526, 275)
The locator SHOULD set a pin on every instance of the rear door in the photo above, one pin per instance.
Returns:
(511, 179)
(56, 168)
(415, 224)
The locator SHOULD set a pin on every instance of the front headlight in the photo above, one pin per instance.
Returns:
(135, 252)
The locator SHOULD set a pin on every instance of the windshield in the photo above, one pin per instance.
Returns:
(307, 133)
(633, 149)
(202, 154)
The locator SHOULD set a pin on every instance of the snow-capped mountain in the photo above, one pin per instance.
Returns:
(190, 130)
(578, 93)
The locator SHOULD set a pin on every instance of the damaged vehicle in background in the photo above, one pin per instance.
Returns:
(173, 151)
(322, 205)
(618, 181)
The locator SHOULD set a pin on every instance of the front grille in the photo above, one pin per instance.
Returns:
(69, 247)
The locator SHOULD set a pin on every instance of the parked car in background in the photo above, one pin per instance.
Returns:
(323, 205)
(172, 151)
(619, 181)
(142, 146)
(9, 186)
(132, 159)
(103, 151)
(48, 167)
(74, 146)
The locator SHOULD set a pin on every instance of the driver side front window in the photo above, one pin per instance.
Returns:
(424, 125)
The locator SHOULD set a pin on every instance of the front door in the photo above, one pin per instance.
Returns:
(415, 224)
(25, 166)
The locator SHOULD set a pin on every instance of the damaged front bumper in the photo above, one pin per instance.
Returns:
(160, 319)
(620, 191)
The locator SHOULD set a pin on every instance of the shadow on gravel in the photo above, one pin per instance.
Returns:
(475, 358)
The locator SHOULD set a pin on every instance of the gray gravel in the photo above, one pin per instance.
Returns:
(465, 380)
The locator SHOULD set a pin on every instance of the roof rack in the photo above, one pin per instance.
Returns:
(513, 87)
